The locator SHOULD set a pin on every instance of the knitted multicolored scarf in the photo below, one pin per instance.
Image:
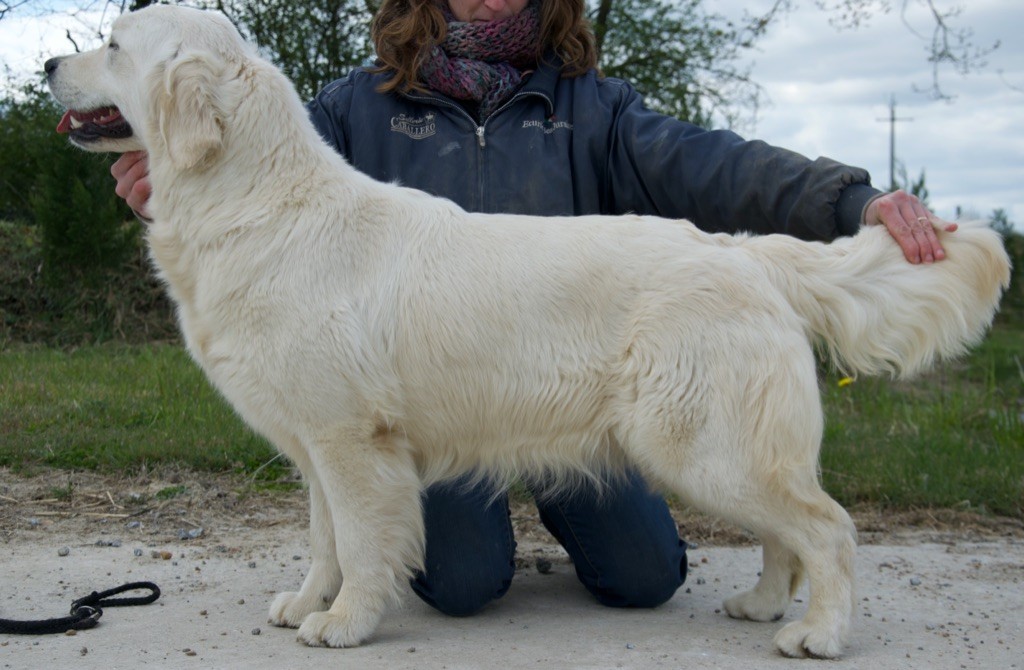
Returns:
(483, 62)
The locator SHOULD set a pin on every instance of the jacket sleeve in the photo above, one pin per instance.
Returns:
(325, 111)
(660, 165)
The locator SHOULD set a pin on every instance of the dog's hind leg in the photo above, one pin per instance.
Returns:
(748, 454)
(802, 527)
(372, 489)
(803, 530)
(823, 536)
(322, 582)
(808, 534)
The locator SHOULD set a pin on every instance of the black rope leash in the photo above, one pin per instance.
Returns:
(85, 612)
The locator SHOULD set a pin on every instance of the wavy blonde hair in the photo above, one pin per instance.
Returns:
(405, 31)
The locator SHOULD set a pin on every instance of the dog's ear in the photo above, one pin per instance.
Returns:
(190, 114)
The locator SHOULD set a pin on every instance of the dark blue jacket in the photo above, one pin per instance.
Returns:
(586, 145)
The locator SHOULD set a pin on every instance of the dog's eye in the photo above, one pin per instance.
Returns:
(113, 46)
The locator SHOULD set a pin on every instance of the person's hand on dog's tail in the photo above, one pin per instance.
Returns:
(910, 224)
(131, 171)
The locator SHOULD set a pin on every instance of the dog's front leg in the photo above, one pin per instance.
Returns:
(323, 580)
(372, 489)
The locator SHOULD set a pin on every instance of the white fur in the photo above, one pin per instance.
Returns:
(384, 339)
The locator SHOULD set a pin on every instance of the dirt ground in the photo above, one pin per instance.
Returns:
(939, 588)
(174, 503)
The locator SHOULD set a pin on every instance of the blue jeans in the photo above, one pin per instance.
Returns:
(624, 545)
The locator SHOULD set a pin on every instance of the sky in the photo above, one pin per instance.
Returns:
(826, 92)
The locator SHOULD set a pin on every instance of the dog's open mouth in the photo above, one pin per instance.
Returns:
(95, 124)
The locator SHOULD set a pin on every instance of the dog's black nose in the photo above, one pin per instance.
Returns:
(50, 65)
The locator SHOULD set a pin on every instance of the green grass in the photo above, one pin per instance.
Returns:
(954, 438)
(117, 408)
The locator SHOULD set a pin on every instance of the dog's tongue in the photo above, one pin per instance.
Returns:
(74, 119)
(65, 123)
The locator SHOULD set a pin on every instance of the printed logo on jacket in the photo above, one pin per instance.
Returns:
(548, 125)
(417, 128)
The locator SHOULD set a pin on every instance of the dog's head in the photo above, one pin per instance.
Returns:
(161, 83)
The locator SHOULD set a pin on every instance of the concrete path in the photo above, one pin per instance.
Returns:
(935, 606)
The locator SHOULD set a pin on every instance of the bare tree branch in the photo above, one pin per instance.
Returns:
(947, 46)
(9, 5)
(1013, 87)
(67, 34)
(845, 14)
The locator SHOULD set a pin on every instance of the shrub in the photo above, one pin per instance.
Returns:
(68, 193)
(125, 303)
(1012, 306)
(72, 269)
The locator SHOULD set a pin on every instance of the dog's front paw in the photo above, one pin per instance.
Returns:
(755, 607)
(801, 640)
(290, 609)
(328, 629)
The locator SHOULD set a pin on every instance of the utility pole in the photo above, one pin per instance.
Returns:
(892, 141)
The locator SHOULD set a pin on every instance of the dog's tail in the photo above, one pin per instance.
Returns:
(873, 312)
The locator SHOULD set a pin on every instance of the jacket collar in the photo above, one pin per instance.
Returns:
(544, 79)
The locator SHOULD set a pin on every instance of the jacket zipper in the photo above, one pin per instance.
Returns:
(481, 129)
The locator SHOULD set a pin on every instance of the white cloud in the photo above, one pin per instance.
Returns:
(828, 89)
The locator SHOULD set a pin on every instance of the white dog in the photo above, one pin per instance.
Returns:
(384, 339)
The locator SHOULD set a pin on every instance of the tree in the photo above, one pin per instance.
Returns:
(917, 188)
(313, 43)
(679, 56)
(1000, 221)
(1012, 307)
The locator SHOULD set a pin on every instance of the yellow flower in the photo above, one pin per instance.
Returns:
(846, 381)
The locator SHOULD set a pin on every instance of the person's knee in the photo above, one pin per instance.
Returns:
(642, 585)
(470, 548)
(462, 604)
(643, 594)
(463, 595)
